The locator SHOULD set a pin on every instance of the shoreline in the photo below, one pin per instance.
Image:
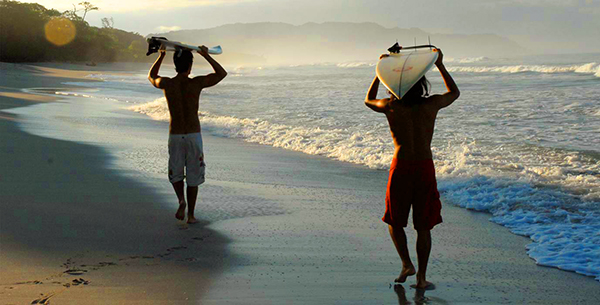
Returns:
(313, 234)
(66, 215)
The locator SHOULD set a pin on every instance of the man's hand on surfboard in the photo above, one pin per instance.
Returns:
(203, 51)
(440, 57)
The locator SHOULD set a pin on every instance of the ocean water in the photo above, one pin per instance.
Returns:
(522, 142)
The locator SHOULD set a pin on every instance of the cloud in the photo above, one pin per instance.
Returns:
(164, 29)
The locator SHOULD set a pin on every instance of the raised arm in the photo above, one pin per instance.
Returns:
(378, 105)
(212, 78)
(153, 77)
(444, 100)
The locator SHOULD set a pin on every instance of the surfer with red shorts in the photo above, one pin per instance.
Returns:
(412, 175)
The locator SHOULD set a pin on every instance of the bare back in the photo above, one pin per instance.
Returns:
(412, 128)
(182, 94)
(412, 122)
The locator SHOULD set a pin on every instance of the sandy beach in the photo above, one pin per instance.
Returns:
(83, 219)
(67, 218)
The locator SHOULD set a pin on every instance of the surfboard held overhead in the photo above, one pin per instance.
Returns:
(405, 66)
(154, 44)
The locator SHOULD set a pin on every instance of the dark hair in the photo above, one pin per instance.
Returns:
(418, 90)
(183, 60)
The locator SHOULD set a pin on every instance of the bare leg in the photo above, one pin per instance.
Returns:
(401, 293)
(178, 186)
(423, 250)
(192, 194)
(399, 239)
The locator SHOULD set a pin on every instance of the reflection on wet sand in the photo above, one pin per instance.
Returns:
(419, 297)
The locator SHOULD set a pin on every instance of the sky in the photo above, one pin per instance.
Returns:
(557, 25)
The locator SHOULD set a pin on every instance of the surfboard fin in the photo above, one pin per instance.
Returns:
(395, 48)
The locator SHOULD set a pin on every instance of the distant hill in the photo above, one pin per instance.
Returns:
(28, 33)
(281, 43)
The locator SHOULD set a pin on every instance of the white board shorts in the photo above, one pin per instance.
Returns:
(185, 151)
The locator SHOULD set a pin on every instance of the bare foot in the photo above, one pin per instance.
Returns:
(406, 272)
(423, 284)
(181, 211)
(192, 219)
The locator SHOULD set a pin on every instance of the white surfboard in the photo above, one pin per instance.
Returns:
(400, 71)
(154, 44)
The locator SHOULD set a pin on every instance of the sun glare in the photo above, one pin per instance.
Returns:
(60, 31)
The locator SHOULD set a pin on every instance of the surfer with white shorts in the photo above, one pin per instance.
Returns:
(412, 175)
(186, 156)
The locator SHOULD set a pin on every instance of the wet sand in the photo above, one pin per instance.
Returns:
(74, 231)
(278, 226)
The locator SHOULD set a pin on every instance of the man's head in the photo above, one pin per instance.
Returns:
(418, 90)
(183, 61)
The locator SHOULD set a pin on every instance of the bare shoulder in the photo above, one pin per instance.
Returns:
(379, 105)
(439, 101)
(160, 82)
(199, 81)
(434, 98)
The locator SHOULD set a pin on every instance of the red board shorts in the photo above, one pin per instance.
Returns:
(412, 183)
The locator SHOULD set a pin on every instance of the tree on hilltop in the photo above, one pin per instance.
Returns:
(87, 7)
(108, 23)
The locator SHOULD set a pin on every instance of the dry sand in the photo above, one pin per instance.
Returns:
(278, 227)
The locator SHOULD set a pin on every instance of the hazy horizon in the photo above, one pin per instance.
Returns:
(554, 26)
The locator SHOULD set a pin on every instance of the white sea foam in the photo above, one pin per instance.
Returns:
(366, 148)
(466, 60)
(556, 205)
(73, 94)
(356, 64)
(589, 68)
(157, 109)
(569, 240)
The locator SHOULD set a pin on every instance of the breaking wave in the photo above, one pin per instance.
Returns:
(366, 148)
(589, 68)
(466, 60)
(356, 64)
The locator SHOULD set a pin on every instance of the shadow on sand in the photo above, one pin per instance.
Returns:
(62, 206)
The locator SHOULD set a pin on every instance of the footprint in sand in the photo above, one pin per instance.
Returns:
(80, 281)
(44, 300)
(77, 282)
(30, 282)
(75, 271)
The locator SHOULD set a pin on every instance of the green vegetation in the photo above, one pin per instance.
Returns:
(24, 36)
